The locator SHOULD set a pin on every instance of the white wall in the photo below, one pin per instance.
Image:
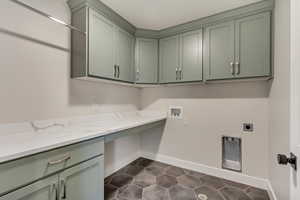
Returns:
(35, 71)
(295, 94)
(280, 100)
(209, 112)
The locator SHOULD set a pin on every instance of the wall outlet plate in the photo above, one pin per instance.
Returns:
(175, 112)
(248, 127)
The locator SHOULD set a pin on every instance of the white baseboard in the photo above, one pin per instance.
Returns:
(271, 191)
(230, 175)
(109, 170)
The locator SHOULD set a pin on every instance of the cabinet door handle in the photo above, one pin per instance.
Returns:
(64, 186)
(56, 191)
(238, 68)
(115, 71)
(176, 73)
(137, 75)
(232, 68)
(64, 159)
(118, 71)
(180, 74)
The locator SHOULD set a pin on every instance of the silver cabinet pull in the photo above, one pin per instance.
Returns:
(176, 73)
(118, 71)
(64, 186)
(238, 68)
(64, 159)
(137, 75)
(180, 74)
(56, 191)
(115, 71)
(232, 68)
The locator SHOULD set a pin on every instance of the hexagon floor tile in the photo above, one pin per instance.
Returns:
(234, 194)
(166, 181)
(120, 180)
(174, 171)
(189, 181)
(155, 192)
(131, 192)
(179, 192)
(145, 179)
(154, 170)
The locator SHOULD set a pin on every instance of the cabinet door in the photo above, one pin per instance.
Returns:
(169, 59)
(46, 189)
(191, 56)
(146, 60)
(219, 51)
(253, 51)
(84, 181)
(125, 55)
(101, 46)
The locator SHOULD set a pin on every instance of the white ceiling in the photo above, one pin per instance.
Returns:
(160, 14)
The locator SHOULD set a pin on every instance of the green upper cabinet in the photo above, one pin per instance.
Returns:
(107, 51)
(169, 59)
(102, 45)
(181, 58)
(230, 45)
(125, 55)
(191, 56)
(46, 189)
(253, 46)
(238, 49)
(146, 65)
(219, 51)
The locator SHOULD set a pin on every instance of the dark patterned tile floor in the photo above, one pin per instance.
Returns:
(145, 179)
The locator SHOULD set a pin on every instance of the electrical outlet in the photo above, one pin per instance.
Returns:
(175, 112)
(248, 127)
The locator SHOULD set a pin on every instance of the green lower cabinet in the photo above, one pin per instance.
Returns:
(84, 181)
(238, 49)
(81, 182)
(46, 189)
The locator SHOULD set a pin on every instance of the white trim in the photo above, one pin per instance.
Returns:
(271, 191)
(230, 175)
(109, 170)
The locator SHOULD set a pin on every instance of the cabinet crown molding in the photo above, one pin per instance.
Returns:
(251, 9)
(105, 11)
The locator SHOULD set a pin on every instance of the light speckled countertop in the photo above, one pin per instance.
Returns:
(24, 139)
